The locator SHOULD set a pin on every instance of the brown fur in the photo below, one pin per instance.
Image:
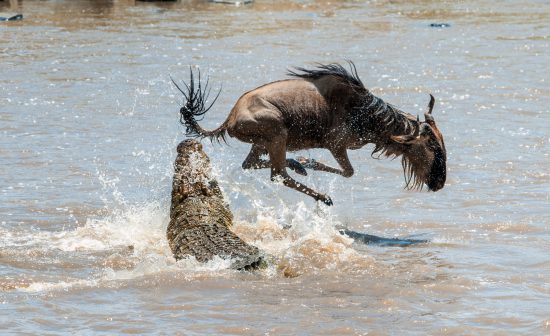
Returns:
(327, 107)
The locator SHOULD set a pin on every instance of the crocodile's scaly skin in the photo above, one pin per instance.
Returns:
(199, 217)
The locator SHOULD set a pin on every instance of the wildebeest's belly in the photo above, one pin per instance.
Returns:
(301, 139)
(307, 129)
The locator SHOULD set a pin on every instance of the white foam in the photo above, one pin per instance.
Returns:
(142, 226)
(300, 239)
(282, 232)
(297, 237)
(57, 286)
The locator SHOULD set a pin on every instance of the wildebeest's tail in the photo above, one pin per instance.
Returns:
(195, 106)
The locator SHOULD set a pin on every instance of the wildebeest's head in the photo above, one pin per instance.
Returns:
(424, 154)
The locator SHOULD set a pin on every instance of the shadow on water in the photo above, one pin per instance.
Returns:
(368, 239)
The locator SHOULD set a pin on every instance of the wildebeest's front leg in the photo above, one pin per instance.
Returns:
(277, 154)
(341, 156)
(254, 161)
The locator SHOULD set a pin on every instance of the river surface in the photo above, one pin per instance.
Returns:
(89, 126)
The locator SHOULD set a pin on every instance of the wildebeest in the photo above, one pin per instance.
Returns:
(325, 107)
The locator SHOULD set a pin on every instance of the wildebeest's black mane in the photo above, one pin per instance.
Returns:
(333, 69)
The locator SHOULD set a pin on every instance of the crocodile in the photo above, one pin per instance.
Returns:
(200, 219)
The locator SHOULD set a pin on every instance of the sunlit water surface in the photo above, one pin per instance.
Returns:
(89, 125)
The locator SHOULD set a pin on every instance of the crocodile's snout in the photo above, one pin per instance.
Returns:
(189, 145)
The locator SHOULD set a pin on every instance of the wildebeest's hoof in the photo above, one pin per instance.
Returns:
(296, 166)
(325, 199)
(307, 163)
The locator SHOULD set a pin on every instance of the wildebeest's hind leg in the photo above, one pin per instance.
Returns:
(254, 158)
(277, 155)
(341, 157)
(254, 161)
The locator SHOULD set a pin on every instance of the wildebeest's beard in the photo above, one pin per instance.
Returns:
(416, 163)
(424, 164)
(414, 173)
(416, 169)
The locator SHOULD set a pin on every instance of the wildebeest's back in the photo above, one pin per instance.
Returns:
(294, 106)
(199, 217)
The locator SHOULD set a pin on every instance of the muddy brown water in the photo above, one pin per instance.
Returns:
(89, 125)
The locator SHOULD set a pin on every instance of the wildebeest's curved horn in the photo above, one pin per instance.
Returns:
(428, 116)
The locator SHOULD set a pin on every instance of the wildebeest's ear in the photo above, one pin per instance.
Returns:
(404, 139)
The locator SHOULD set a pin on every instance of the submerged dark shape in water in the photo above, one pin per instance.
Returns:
(10, 17)
(326, 107)
(232, 2)
(199, 217)
(380, 241)
(440, 25)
